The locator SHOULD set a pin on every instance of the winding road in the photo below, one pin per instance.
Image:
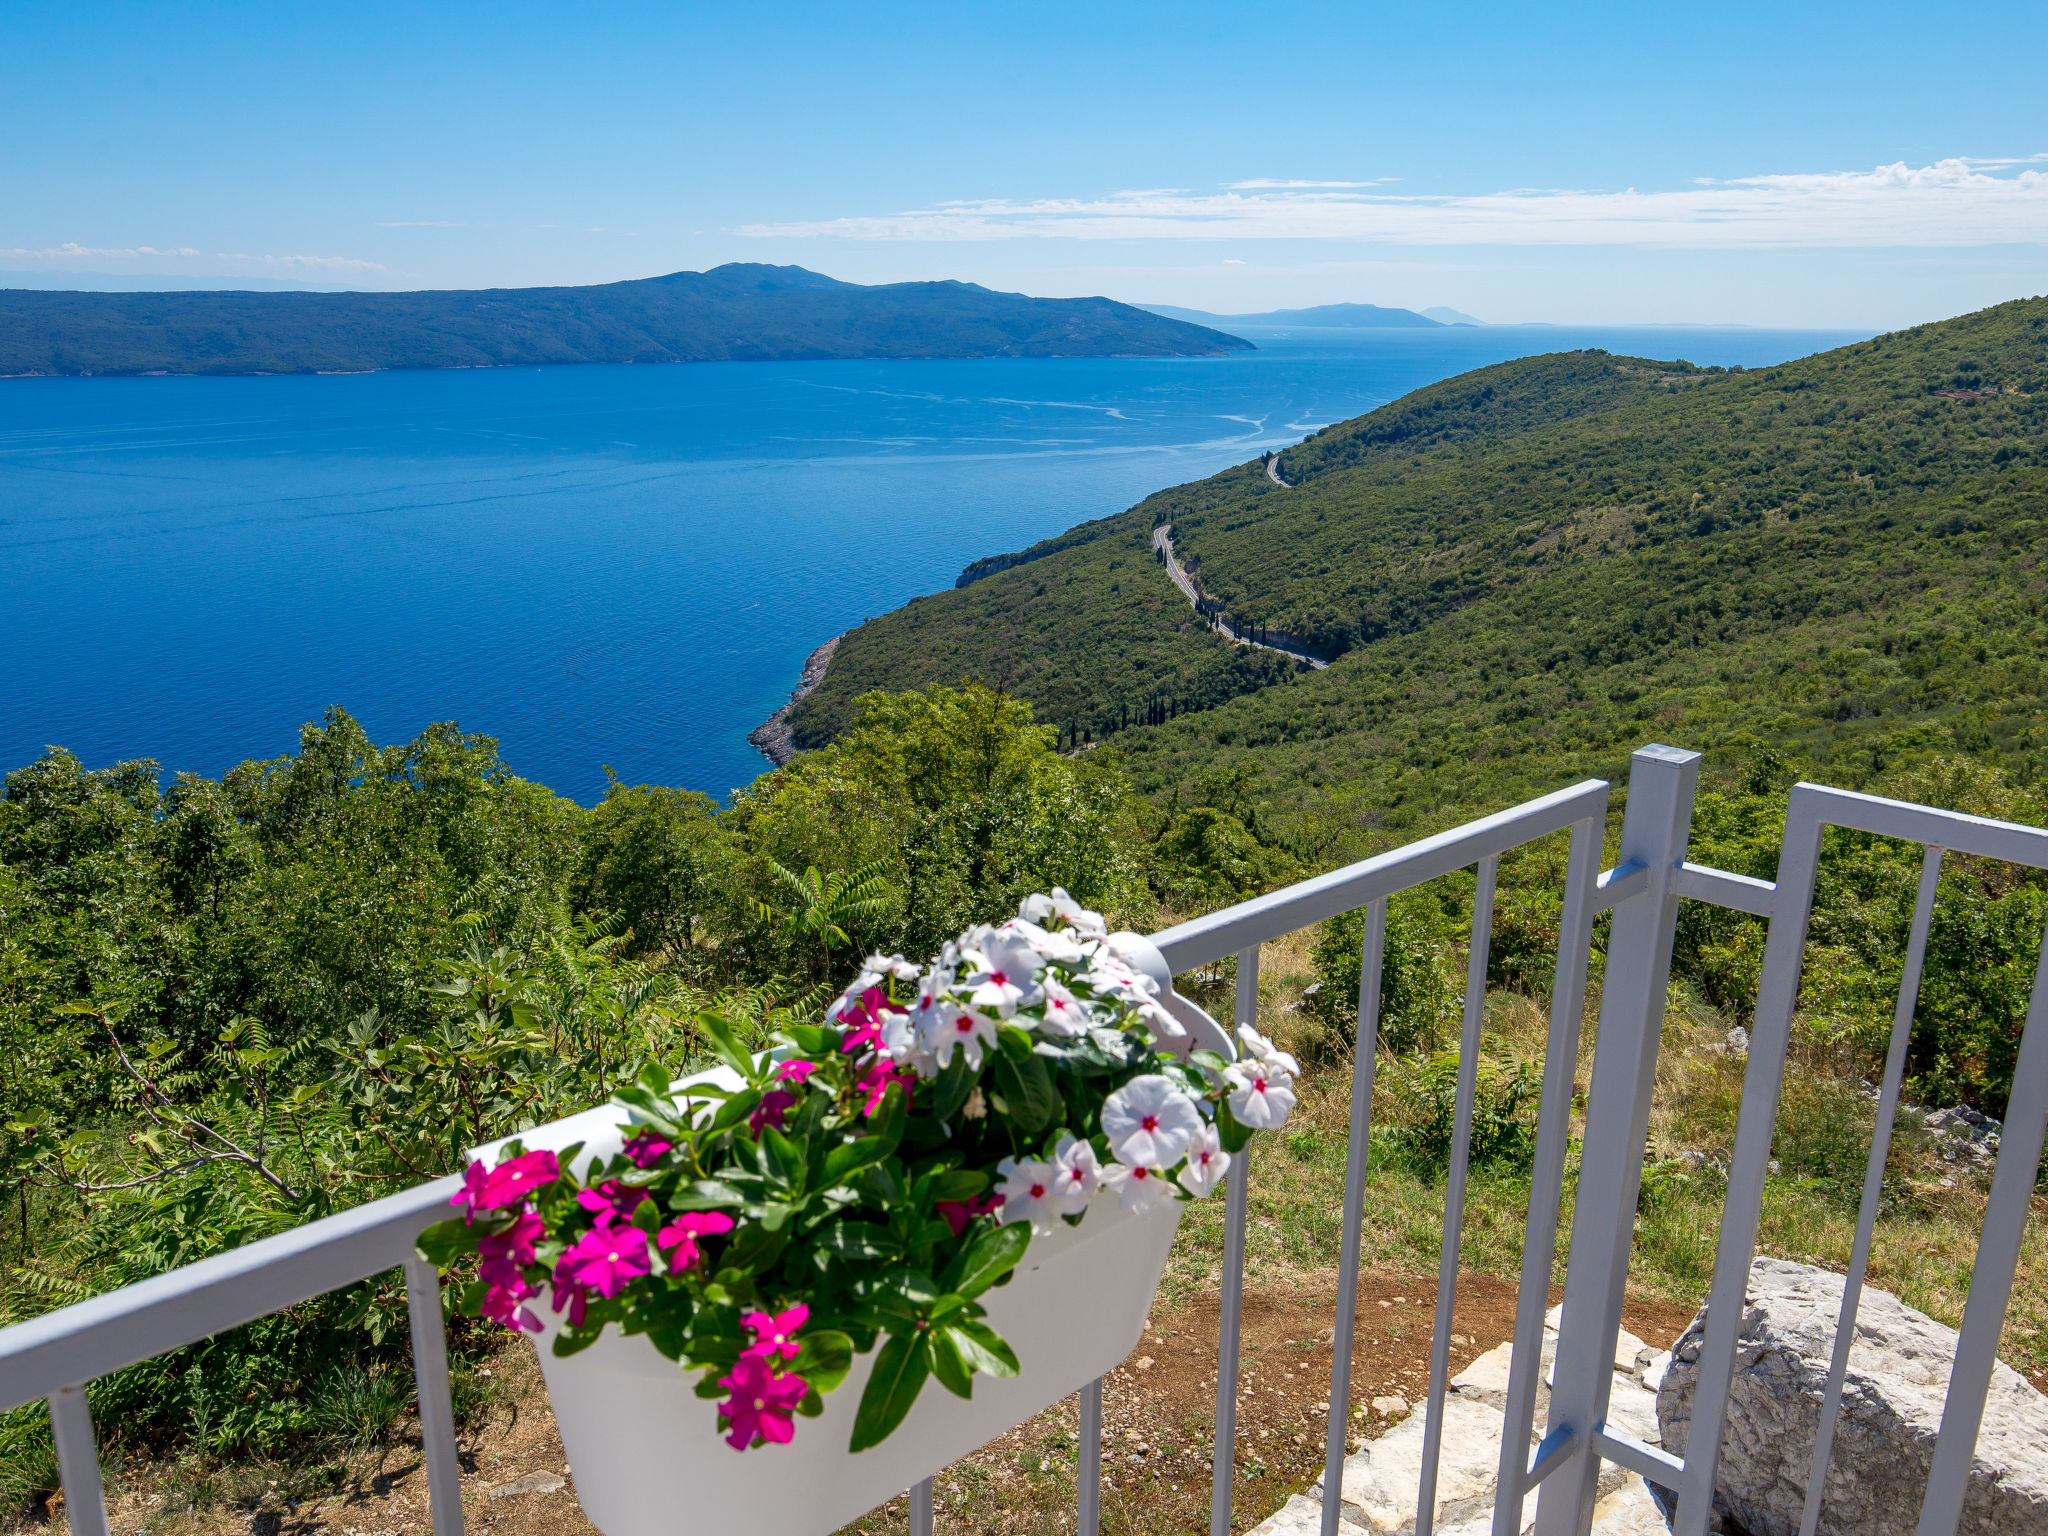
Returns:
(1162, 543)
(1273, 472)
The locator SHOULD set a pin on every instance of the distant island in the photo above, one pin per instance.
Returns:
(741, 312)
(1345, 316)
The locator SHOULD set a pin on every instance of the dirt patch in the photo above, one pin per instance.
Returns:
(1158, 1423)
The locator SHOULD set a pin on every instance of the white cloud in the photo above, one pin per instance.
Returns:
(419, 224)
(1954, 202)
(72, 257)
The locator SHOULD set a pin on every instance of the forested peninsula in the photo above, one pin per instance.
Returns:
(1526, 570)
(741, 312)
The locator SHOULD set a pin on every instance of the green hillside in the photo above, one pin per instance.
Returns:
(739, 312)
(1527, 570)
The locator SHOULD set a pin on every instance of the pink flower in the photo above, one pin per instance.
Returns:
(958, 1213)
(576, 1298)
(492, 1189)
(503, 1300)
(761, 1403)
(516, 1242)
(681, 1235)
(612, 1201)
(646, 1149)
(775, 1334)
(875, 1084)
(773, 1106)
(795, 1071)
(608, 1259)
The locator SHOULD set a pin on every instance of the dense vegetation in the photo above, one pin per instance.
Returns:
(741, 312)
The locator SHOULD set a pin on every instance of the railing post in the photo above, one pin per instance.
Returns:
(1088, 1467)
(921, 1520)
(1223, 1470)
(1654, 831)
(437, 1410)
(78, 1459)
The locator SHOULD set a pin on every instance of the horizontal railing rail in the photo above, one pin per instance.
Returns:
(56, 1355)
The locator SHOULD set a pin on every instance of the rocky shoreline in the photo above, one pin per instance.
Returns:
(773, 738)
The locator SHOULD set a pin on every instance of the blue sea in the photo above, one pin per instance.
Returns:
(620, 566)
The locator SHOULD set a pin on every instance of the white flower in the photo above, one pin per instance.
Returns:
(967, 1030)
(1139, 1186)
(1035, 908)
(1149, 1120)
(1164, 1025)
(905, 1042)
(1065, 1014)
(1059, 948)
(1076, 1175)
(1259, 1097)
(1258, 1048)
(1207, 1163)
(932, 1007)
(1030, 1193)
(1111, 977)
(1007, 976)
(1079, 918)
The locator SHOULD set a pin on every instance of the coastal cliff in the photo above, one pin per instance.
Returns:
(772, 738)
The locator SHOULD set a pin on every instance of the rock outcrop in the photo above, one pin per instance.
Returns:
(1891, 1413)
(1382, 1479)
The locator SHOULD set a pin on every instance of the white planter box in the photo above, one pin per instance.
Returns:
(645, 1449)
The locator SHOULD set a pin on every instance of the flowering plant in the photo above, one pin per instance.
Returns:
(865, 1181)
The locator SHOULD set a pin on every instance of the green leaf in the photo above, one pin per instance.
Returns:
(982, 1348)
(811, 1039)
(733, 1111)
(900, 1369)
(856, 1240)
(705, 1195)
(445, 1241)
(1016, 1043)
(1235, 1135)
(954, 1373)
(727, 1049)
(848, 1158)
(986, 1260)
(569, 1343)
(1028, 1086)
(824, 1360)
(953, 1086)
(958, 1184)
(785, 1158)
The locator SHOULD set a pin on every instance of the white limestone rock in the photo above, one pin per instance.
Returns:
(1891, 1413)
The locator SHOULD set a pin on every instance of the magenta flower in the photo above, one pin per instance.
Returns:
(774, 1104)
(761, 1403)
(958, 1213)
(568, 1293)
(796, 1071)
(646, 1149)
(865, 1017)
(612, 1201)
(775, 1334)
(608, 1259)
(506, 1289)
(875, 1084)
(492, 1189)
(516, 1242)
(681, 1236)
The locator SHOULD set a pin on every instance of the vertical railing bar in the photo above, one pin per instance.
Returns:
(1873, 1186)
(1749, 1159)
(1998, 1257)
(1223, 1468)
(1364, 1052)
(78, 1460)
(1454, 1190)
(1088, 1474)
(921, 1509)
(437, 1408)
(1546, 1186)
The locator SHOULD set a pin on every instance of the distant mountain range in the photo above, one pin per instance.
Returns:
(738, 312)
(1346, 316)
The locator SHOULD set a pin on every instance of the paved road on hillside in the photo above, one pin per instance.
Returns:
(1162, 542)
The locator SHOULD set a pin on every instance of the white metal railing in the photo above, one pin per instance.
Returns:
(55, 1355)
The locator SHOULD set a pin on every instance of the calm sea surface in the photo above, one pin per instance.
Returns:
(596, 565)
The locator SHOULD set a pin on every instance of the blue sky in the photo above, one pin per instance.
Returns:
(1776, 164)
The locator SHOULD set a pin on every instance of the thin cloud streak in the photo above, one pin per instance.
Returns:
(70, 256)
(1953, 202)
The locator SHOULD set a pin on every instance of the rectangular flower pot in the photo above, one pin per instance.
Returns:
(645, 1449)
